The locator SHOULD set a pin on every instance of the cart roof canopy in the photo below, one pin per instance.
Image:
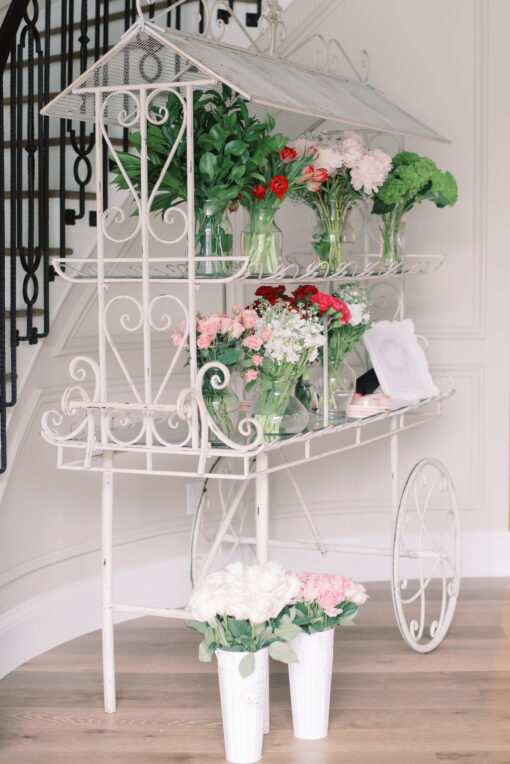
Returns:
(300, 98)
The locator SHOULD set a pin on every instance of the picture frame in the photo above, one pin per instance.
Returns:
(399, 361)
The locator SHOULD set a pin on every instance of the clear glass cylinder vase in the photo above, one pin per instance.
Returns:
(332, 232)
(262, 241)
(279, 411)
(222, 405)
(213, 239)
(392, 232)
(340, 385)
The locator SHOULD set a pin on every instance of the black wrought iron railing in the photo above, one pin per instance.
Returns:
(46, 169)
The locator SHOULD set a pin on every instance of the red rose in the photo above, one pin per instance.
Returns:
(270, 292)
(320, 175)
(287, 154)
(279, 185)
(259, 191)
(234, 207)
(302, 292)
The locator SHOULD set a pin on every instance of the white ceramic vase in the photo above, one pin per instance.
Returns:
(242, 705)
(310, 683)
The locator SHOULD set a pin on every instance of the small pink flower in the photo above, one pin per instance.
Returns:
(204, 341)
(266, 334)
(328, 598)
(250, 375)
(249, 318)
(257, 360)
(237, 329)
(182, 327)
(210, 325)
(312, 587)
(177, 338)
(225, 323)
(252, 342)
(236, 309)
(333, 611)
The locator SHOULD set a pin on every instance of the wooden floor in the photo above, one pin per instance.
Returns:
(389, 705)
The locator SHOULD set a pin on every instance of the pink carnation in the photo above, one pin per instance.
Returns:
(250, 375)
(204, 341)
(266, 334)
(257, 360)
(249, 318)
(252, 342)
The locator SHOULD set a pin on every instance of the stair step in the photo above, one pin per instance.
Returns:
(57, 142)
(52, 252)
(24, 313)
(53, 194)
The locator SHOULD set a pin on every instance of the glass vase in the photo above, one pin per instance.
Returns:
(341, 385)
(262, 242)
(392, 232)
(214, 239)
(331, 233)
(304, 392)
(279, 411)
(222, 405)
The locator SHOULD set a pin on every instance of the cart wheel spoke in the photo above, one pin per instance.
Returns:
(426, 556)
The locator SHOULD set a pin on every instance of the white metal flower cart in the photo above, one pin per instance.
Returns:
(152, 428)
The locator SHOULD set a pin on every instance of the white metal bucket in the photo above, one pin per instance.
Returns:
(310, 683)
(242, 705)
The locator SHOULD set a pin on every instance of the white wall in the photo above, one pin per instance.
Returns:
(446, 63)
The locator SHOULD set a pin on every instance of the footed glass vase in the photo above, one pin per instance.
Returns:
(279, 411)
(392, 232)
(331, 233)
(262, 242)
(222, 405)
(213, 239)
(341, 385)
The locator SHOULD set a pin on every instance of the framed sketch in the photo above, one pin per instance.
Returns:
(399, 361)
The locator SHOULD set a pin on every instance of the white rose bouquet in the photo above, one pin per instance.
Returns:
(241, 609)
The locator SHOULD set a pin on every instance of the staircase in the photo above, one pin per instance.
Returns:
(46, 168)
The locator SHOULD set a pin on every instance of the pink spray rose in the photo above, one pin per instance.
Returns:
(204, 341)
(328, 598)
(252, 342)
(225, 323)
(237, 329)
(177, 338)
(182, 327)
(257, 360)
(249, 318)
(209, 325)
(250, 375)
(266, 334)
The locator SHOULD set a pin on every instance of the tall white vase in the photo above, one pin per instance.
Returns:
(242, 705)
(310, 683)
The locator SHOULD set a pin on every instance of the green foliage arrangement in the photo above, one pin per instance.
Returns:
(414, 179)
(230, 148)
(234, 635)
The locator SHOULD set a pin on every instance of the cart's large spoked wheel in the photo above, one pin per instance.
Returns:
(426, 556)
(222, 518)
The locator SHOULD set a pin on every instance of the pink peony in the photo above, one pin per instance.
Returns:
(252, 342)
(204, 341)
(266, 334)
(250, 375)
(249, 318)
(370, 172)
(237, 329)
(257, 360)
(177, 338)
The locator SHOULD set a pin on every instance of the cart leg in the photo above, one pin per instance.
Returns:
(394, 473)
(262, 537)
(107, 584)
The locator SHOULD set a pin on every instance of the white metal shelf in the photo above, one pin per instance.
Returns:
(173, 270)
(145, 458)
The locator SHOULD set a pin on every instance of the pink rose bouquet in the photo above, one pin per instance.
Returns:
(325, 601)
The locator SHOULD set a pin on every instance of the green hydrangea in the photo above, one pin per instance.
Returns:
(412, 180)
